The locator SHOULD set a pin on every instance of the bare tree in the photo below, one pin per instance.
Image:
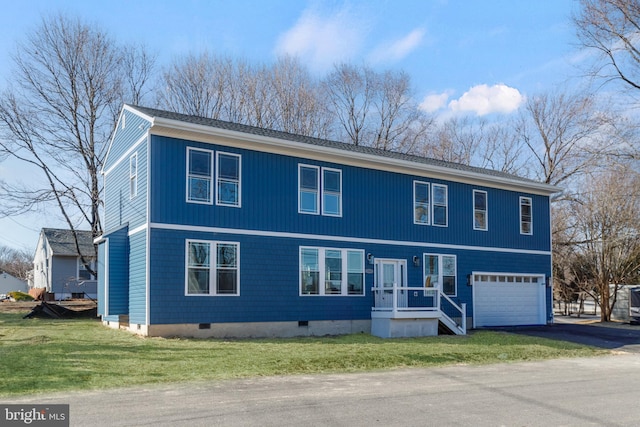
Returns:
(611, 28)
(18, 263)
(562, 133)
(56, 117)
(607, 235)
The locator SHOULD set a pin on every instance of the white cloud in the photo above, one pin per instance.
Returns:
(322, 40)
(434, 101)
(399, 49)
(483, 99)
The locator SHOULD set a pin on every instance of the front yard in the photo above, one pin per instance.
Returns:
(40, 355)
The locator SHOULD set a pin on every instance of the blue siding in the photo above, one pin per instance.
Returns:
(120, 208)
(376, 204)
(119, 272)
(138, 278)
(269, 279)
(123, 139)
(101, 278)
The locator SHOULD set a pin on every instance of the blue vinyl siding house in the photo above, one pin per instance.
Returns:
(220, 229)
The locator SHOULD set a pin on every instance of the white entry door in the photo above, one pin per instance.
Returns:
(391, 273)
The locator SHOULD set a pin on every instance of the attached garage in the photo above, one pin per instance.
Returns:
(501, 299)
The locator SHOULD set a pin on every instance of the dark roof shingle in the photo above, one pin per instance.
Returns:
(62, 242)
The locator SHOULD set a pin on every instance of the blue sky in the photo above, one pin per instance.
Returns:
(463, 56)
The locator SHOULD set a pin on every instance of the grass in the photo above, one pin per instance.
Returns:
(40, 355)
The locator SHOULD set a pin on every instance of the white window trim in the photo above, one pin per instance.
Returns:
(213, 255)
(344, 288)
(415, 183)
(211, 177)
(217, 169)
(486, 210)
(523, 199)
(133, 177)
(446, 205)
(440, 272)
(322, 170)
(318, 192)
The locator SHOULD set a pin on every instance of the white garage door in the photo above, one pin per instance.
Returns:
(508, 300)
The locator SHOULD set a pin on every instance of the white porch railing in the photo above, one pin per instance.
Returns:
(430, 301)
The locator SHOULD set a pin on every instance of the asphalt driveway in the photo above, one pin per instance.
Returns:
(588, 331)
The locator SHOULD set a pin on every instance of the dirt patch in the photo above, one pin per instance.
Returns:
(27, 306)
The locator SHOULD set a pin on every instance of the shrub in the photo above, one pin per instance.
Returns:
(20, 296)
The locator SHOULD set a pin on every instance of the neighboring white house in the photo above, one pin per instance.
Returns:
(8, 283)
(57, 267)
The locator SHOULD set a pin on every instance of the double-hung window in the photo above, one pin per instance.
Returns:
(319, 190)
(212, 268)
(199, 175)
(328, 271)
(440, 272)
(526, 219)
(83, 272)
(430, 204)
(480, 210)
(133, 175)
(228, 179)
(421, 206)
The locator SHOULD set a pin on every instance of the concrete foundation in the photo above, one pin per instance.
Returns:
(404, 328)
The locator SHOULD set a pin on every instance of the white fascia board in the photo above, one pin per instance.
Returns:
(204, 133)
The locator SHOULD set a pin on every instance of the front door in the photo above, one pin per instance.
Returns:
(390, 273)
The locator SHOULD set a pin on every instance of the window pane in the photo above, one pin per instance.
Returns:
(199, 254)
(355, 275)
(332, 181)
(227, 255)
(422, 213)
(333, 272)
(198, 281)
(421, 192)
(480, 200)
(228, 192)
(431, 270)
(309, 178)
(439, 194)
(228, 166)
(480, 220)
(331, 204)
(448, 265)
(449, 285)
(308, 202)
(309, 274)
(199, 162)
(440, 215)
(421, 209)
(227, 281)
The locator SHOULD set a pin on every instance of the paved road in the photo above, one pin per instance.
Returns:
(600, 391)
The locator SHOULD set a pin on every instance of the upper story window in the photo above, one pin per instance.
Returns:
(430, 204)
(421, 206)
(327, 271)
(526, 218)
(199, 175)
(212, 268)
(314, 181)
(480, 210)
(440, 205)
(228, 179)
(440, 272)
(133, 175)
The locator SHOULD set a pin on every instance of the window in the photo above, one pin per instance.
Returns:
(228, 179)
(440, 272)
(83, 272)
(311, 185)
(526, 225)
(480, 210)
(331, 192)
(421, 210)
(199, 175)
(440, 202)
(326, 271)
(212, 268)
(133, 175)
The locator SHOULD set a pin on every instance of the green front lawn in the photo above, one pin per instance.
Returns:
(39, 355)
